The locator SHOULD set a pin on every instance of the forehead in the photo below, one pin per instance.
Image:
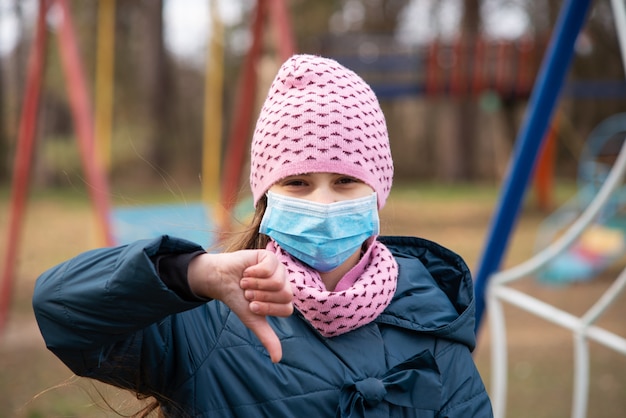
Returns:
(321, 175)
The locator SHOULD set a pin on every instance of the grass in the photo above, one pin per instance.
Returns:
(59, 224)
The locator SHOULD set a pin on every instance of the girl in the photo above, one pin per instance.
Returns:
(382, 326)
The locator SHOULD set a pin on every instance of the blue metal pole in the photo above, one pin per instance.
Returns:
(547, 88)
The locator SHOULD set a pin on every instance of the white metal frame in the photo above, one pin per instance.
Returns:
(583, 327)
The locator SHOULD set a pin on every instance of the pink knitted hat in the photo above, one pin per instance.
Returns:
(320, 117)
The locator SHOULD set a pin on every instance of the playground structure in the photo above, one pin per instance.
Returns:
(457, 68)
(93, 139)
(219, 187)
(549, 84)
(603, 242)
(491, 284)
(83, 125)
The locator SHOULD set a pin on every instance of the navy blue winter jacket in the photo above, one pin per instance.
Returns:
(107, 315)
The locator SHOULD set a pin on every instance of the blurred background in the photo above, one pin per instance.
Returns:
(170, 95)
(454, 78)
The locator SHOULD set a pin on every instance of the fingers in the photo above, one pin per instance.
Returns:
(269, 339)
(272, 303)
(271, 309)
(266, 266)
(266, 286)
(284, 295)
(265, 291)
(269, 297)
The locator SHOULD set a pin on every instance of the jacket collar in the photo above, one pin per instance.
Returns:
(435, 292)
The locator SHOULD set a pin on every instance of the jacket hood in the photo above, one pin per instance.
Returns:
(435, 293)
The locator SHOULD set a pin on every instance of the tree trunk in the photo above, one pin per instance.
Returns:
(4, 144)
(158, 93)
(12, 73)
(466, 110)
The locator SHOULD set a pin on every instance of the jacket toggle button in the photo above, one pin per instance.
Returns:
(372, 389)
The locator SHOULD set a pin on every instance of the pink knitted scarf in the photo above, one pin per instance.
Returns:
(359, 297)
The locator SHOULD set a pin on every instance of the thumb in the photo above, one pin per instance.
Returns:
(268, 338)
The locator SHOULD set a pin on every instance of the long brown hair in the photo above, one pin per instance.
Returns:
(249, 238)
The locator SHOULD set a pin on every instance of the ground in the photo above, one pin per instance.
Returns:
(59, 224)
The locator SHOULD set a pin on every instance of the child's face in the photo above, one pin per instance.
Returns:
(322, 187)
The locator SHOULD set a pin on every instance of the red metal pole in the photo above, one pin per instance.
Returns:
(544, 171)
(242, 121)
(83, 124)
(284, 33)
(23, 159)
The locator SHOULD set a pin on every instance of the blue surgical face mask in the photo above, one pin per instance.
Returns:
(318, 234)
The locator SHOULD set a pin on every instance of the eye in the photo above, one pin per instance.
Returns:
(293, 182)
(347, 180)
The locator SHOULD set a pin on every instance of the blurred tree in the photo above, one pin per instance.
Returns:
(147, 96)
(4, 142)
(541, 17)
(158, 108)
(313, 20)
(157, 79)
(12, 73)
(381, 16)
(597, 57)
(309, 20)
(460, 166)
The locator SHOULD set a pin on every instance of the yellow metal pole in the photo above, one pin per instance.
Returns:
(212, 143)
(105, 64)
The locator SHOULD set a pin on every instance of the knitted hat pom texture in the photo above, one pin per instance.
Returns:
(320, 117)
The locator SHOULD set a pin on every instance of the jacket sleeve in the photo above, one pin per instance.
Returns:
(97, 310)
